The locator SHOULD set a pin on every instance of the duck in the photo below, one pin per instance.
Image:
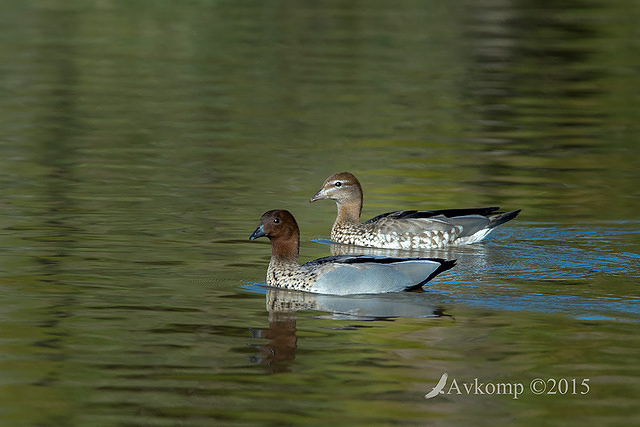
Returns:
(341, 274)
(405, 229)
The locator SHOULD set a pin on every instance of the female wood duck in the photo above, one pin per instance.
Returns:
(338, 275)
(404, 229)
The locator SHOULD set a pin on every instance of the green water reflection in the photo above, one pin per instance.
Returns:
(141, 141)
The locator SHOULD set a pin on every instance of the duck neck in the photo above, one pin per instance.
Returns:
(349, 211)
(285, 251)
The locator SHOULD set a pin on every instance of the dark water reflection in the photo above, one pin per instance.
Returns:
(141, 141)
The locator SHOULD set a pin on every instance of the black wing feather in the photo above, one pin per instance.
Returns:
(359, 259)
(428, 214)
(444, 266)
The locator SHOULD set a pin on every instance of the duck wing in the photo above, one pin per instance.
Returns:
(448, 213)
(347, 274)
(391, 226)
(472, 224)
(467, 225)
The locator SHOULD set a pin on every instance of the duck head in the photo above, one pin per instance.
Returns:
(282, 230)
(342, 187)
(276, 224)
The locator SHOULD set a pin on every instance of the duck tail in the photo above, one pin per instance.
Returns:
(502, 218)
(445, 264)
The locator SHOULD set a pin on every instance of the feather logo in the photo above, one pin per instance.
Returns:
(438, 388)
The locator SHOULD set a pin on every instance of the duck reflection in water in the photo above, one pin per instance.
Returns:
(282, 342)
(283, 305)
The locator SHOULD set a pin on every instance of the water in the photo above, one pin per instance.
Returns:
(141, 141)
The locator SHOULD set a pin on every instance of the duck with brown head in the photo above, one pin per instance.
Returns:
(409, 229)
(338, 275)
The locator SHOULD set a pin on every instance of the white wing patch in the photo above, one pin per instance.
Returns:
(372, 278)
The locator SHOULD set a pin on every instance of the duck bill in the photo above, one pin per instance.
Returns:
(318, 196)
(259, 232)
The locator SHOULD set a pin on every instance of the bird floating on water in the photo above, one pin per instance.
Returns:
(408, 229)
(342, 274)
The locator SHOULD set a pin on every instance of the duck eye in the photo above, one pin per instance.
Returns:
(276, 220)
(338, 184)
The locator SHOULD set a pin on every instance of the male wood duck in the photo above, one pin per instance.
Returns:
(408, 229)
(338, 275)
